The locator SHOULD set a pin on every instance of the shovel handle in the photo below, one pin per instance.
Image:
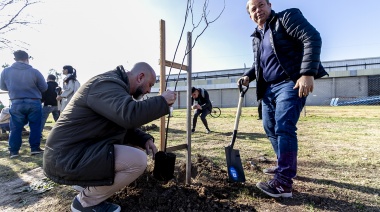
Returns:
(243, 89)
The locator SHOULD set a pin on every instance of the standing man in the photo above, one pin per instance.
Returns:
(200, 101)
(287, 60)
(25, 85)
(93, 143)
(49, 98)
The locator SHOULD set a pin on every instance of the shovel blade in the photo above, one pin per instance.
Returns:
(164, 165)
(234, 166)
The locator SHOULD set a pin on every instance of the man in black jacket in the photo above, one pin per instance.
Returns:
(287, 60)
(200, 101)
(90, 145)
(50, 101)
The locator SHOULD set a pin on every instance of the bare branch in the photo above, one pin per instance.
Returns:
(204, 16)
(13, 20)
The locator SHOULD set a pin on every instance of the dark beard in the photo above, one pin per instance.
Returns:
(138, 94)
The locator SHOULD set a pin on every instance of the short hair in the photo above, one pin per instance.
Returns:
(20, 55)
(51, 77)
(249, 1)
(193, 89)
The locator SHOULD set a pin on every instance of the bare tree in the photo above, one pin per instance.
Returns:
(204, 21)
(6, 65)
(56, 74)
(13, 15)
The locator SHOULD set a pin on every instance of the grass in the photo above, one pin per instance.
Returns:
(338, 158)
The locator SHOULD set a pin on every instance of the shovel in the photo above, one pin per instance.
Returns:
(234, 167)
(164, 162)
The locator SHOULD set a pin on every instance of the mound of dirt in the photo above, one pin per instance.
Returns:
(209, 191)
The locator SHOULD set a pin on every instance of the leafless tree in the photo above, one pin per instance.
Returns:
(56, 74)
(14, 15)
(204, 21)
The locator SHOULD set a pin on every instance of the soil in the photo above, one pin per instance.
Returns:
(209, 191)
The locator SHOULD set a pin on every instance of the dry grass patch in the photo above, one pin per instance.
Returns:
(338, 166)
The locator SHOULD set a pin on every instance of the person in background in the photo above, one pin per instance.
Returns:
(49, 100)
(92, 145)
(70, 86)
(5, 118)
(25, 85)
(201, 103)
(287, 60)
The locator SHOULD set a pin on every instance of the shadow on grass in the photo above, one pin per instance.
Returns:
(363, 189)
(320, 202)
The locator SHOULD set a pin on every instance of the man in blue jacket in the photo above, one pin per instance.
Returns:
(287, 60)
(25, 85)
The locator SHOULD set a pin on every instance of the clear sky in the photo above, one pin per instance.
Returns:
(95, 36)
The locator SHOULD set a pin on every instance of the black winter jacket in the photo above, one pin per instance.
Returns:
(49, 97)
(296, 43)
(79, 149)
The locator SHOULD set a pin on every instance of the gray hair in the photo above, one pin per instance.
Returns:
(249, 1)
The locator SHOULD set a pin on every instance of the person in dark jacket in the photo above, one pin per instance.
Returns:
(49, 101)
(90, 144)
(25, 85)
(286, 61)
(201, 103)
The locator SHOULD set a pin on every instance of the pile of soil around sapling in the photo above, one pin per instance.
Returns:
(209, 190)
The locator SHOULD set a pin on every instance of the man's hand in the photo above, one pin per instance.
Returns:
(245, 80)
(170, 96)
(305, 85)
(149, 145)
(59, 98)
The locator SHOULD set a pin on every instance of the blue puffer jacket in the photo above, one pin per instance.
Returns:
(297, 45)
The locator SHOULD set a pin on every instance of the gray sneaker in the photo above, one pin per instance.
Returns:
(275, 189)
(101, 207)
(13, 155)
(37, 151)
(270, 170)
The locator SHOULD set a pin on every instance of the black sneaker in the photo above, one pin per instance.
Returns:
(192, 130)
(270, 171)
(37, 151)
(101, 207)
(13, 155)
(274, 189)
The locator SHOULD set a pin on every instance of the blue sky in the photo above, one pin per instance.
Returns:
(95, 36)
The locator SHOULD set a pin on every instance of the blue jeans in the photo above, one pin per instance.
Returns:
(46, 110)
(25, 111)
(282, 107)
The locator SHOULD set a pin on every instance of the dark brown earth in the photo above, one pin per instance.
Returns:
(209, 191)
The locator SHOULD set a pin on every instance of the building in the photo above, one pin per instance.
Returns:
(348, 80)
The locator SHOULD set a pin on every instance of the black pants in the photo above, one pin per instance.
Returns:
(203, 114)
(260, 109)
